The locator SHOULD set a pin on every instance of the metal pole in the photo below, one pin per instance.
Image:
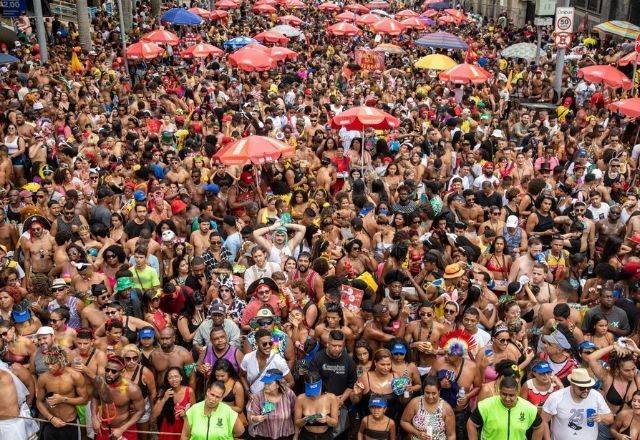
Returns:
(539, 44)
(633, 77)
(42, 33)
(557, 84)
(123, 37)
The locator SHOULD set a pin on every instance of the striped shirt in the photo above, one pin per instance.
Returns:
(279, 422)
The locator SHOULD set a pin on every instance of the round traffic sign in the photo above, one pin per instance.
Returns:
(564, 23)
(562, 39)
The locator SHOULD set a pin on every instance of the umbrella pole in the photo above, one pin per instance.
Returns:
(633, 77)
(362, 154)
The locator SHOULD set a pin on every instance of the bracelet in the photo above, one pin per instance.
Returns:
(51, 418)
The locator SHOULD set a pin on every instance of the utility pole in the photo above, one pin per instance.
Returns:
(42, 33)
(557, 84)
(123, 36)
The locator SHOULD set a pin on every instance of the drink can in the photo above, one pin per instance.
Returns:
(396, 327)
(406, 394)
(429, 431)
(540, 257)
(590, 413)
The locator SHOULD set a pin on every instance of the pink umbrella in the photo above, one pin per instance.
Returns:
(226, 4)
(200, 12)
(346, 16)
(256, 149)
(218, 14)
(201, 50)
(271, 37)
(329, 7)
(266, 2)
(344, 29)
(160, 36)
(282, 53)
(144, 50)
(389, 26)
(368, 19)
(406, 13)
(360, 9)
(429, 13)
(629, 58)
(264, 9)
(607, 75)
(628, 107)
(456, 13)
(291, 20)
(294, 4)
(251, 59)
(465, 74)
(377, 5)
(448, 19)
(414, 23)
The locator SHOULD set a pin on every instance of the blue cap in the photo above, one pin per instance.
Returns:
(21, 316)
(271, 377)
(313, 389)
(582, 153)
(147, 333)
(542, 367)
(398, 349)
(139, 196)
(586, 345)
(212, 187)
(377, 401)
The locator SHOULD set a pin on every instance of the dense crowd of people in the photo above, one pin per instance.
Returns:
(472, 273)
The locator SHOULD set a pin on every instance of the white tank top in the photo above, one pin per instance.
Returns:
(12, 147)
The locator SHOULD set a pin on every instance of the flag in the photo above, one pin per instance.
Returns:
(584, 24)
(76, 65)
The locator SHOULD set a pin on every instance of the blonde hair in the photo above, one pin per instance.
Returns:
(130, 347)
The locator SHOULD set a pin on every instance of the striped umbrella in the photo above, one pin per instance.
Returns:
(622, 29)
(443, 40)
(525, 51)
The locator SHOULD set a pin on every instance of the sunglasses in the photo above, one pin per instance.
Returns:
(55, 320)
(428, 315)
(112, 370)
(224, 289)
(502, 341)
(112, 313)
(131, 358)
(216, 242)
(355, 248)
(110, 256)
(266, 344)
(265, 322)
(449, 311)
(58, 289)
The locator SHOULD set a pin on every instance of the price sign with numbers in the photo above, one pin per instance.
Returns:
(12, 8)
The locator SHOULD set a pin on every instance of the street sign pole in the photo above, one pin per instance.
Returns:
(42, 33)
(544, 8)
(565, 26)
(539, 44)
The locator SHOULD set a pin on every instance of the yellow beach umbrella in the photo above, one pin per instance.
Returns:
(435, 62)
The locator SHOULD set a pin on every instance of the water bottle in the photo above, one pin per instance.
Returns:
(539, 257)
(590, 413)
(590, 268)
(487, 353)
(461, 393)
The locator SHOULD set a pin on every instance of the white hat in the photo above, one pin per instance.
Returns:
(512, 221)
(37, 105)
(597, 173)
(497, 134)
(168, 235)
(45, 330)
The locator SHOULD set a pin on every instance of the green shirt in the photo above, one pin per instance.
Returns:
(144, 279)
(219, 425)
(501, 423)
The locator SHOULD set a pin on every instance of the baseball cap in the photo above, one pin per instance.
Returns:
(21, 315)
(512, 222)
(398, 349)
(557, 338)
(378, 401)
(218, 308)
(271, 377)
(139, 196)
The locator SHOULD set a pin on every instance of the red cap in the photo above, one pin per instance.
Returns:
(178, 206)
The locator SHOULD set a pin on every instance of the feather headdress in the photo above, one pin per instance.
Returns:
(458, 342)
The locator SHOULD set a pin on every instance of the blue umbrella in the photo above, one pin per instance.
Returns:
(427, 21)
(5, 58)
(439, 6)
(443, 40)
(181, 16)
(238, 42)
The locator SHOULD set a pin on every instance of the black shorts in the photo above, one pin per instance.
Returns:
(69, 432)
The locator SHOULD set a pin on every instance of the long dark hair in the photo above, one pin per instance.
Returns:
(168, 410)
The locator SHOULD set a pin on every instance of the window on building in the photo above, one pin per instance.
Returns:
(594, 5)
(580, 3)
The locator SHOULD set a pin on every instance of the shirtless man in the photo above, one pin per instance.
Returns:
(465, 374)
(471, 212)
(8, 232)
(13, 401)
(357, 261)
(38, 250)
(144, 238)
(334, 320)
(89, 362)
(326, 174)
(177, 174)
(170, 355)
(86, 278)
(25, 129)
(374, 330)
(92, 315)
(544, 292)
(120, 400)
(59, 390)
(113, 341)
(423, 336)
(588, 238)
(612, 226)
(523, 265)
(200, 238)
(564, 291)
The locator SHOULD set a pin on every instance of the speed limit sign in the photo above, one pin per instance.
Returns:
(564, 19)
